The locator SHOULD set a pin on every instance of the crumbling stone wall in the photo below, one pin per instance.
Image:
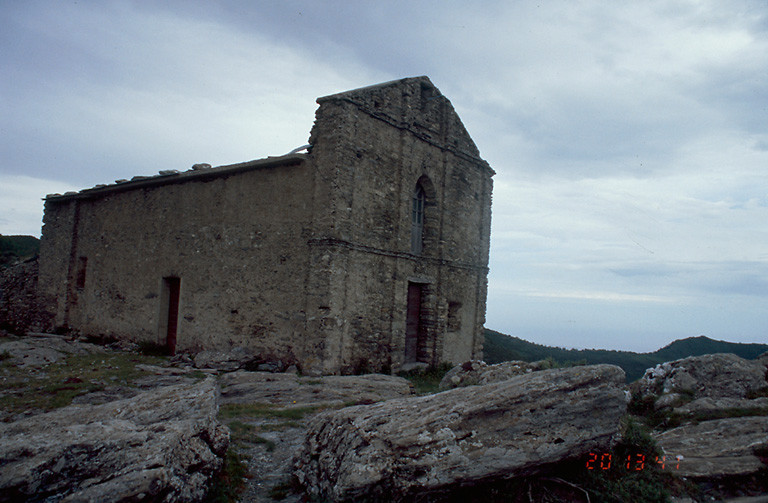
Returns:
(19, 309)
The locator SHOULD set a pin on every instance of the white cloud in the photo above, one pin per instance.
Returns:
(169, 91)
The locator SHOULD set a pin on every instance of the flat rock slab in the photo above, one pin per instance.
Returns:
(44, 350)
(717, 448)
(479, 372)
(286, 390)
(161, 445)
(707, 405)
(400, 449)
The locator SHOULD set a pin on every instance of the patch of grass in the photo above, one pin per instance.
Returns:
(235, 410)
(427, 381)
(228, 484)
(242, 433)
(282, 425)
(197, 374)
(261, 440)
(281, 491)
(309, 382)
(60, 382)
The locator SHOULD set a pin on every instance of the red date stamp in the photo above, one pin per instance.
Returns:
(633, 462)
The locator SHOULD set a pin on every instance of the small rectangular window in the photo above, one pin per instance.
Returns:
(82, 265)
(454, 316)
(417, 220)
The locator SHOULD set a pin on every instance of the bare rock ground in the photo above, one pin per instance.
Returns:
(42, 349)
(268, 414)
(403, 449)
(274, 416)
(162, 445)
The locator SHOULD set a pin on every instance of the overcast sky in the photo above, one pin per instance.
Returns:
(630, 139)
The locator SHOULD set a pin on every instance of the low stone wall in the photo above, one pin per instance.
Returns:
(19, 308)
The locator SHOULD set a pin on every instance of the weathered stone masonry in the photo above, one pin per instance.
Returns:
(368, 252)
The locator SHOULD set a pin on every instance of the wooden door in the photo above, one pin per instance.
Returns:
(173, 286)
(413, 323)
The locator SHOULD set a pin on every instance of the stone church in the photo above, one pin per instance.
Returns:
(366, 250)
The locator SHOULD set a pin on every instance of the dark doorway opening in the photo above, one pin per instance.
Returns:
(415, 343)
(170, 312)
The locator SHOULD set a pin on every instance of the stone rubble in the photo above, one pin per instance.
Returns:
(715, 377)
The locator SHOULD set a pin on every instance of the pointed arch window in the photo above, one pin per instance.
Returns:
(419, 201)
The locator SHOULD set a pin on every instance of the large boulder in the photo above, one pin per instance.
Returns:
(285, 390)
(716, 376)
(39, 350)
(226, 361)
(401, 448)
(479, 372)
(161, 445)
(722, 447)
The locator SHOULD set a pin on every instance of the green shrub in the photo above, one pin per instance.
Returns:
(426, 381)
(635, 473)
(229, 482)
(282, 490)
(233, 410)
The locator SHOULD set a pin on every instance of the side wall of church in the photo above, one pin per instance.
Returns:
(237, 243)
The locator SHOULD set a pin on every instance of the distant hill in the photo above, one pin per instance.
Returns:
(500, 347)
(16, 248)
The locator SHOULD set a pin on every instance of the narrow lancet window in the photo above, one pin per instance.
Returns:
(417, 220)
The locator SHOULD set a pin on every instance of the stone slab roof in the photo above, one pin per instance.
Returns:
(198, 172)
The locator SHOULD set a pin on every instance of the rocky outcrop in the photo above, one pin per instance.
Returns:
(714, 377)
(479, 372)
(42, 349)
(161, 445)
(286, 390)
(395, 450)
(723, 447)
(226, 361)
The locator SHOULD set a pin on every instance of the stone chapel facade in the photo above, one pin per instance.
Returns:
(368, 250)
